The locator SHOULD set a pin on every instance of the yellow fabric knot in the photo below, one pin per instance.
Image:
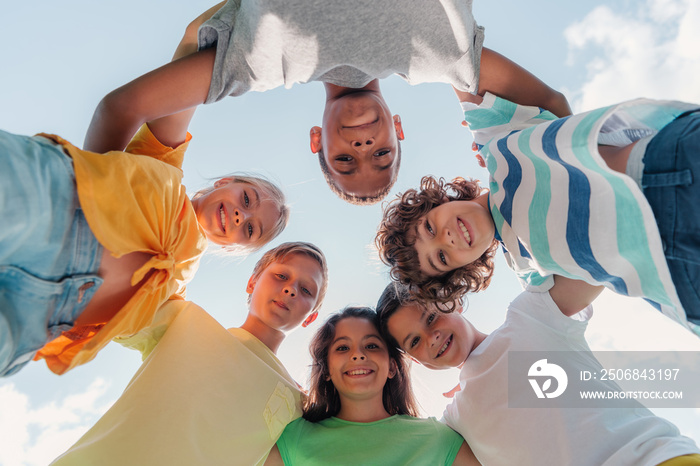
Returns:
(164, 262)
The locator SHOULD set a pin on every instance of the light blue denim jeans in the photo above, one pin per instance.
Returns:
(49, 257)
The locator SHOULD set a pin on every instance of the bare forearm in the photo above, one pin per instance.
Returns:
(506, 79)
(172, 88)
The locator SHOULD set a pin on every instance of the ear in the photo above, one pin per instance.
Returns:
(398, 128)
(459, 309)
(221, 182)
(392, 369)
(315, 139)
(310, 319)
(251, 284)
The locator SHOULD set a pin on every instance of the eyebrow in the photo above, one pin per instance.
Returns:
(409, 335)
(369, 335)
(430, 259)
(347, 172)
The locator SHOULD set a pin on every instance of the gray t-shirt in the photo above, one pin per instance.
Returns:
(264, 44)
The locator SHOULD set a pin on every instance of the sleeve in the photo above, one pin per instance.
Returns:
(145, 143)
(529, 278)
(496, 117)
(447, 440)
(289, 440)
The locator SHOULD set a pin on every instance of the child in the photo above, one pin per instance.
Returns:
(206, 395)
(553, 204)
(93, 244)
(500, 435)
(261, 45)
(360, 407)
(654, 142)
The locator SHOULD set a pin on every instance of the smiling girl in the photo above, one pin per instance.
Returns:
(360, 407)
(93, 244)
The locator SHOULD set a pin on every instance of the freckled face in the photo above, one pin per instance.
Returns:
(235, 213)
(358, 360)
(286, 291)
(435, 339)
(452, 235)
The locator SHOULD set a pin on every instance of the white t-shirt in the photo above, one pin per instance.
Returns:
(500, 435)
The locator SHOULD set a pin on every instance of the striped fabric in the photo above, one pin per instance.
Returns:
(559, 209)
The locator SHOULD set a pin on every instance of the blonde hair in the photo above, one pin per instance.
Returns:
(272, 192)
(280, 252)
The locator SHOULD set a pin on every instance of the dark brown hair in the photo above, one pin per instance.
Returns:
(323, 400)
(396, 240)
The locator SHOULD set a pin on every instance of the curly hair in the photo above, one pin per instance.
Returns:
(323, 400)
(396, 240)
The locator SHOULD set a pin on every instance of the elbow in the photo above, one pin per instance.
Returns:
(558, 104)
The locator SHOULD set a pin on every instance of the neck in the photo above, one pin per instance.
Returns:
(271, 337)
(483, 200)
(362, 410)
(334, 92)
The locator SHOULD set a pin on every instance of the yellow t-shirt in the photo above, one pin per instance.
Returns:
(133, 201)
(205, 395)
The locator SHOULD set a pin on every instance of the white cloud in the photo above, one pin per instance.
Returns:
(648, 52)
(35, 436)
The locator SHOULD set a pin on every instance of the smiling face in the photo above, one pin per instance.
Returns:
(236, 213)
(453, 235)
(359, 142)
(285, 291)
(435, 339)
(358, 360)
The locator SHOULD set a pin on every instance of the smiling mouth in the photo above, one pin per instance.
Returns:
(358, 372)
(222, 217)
(363, 125)
(446, 345)
(465, 232)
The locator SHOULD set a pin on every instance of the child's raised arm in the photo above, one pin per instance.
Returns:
(166, 98)
(508, 80)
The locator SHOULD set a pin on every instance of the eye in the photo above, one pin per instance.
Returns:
(250, 231)
(414, 342)
(342, 348)
(306, 291)
(372, 346)
(428, 228)
(431, 318)
(246, 201)
(382, 152)
(281, 276)
(343, 158)
(441, 256)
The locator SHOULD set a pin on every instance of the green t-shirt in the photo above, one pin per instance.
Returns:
(399, 440)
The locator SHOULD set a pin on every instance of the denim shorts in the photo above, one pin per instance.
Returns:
(49, 257)
(671, 166)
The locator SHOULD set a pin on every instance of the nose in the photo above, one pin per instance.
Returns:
(364, 143)
(447, 237)
(434, 337)
(239, 216)
(361, 357)
(290, 290)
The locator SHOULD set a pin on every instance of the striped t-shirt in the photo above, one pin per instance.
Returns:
(559, 209)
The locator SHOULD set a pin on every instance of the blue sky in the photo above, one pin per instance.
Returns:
(60, 58)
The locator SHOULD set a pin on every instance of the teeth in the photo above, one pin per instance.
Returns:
(223, 216)
(358, 372)
(465, 232)
(444, 347)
